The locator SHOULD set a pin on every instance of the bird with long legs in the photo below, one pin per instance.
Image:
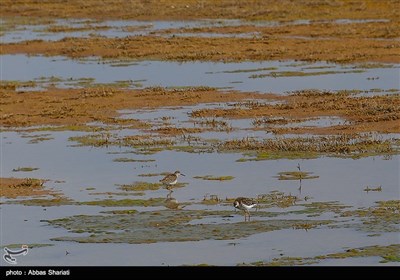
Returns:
(244, 204)
(171, 179)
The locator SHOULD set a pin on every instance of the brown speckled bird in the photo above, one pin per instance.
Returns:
(244, 203)
(170, 179)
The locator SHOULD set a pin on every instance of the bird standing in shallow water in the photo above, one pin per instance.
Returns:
(171, 179)
(244, 203)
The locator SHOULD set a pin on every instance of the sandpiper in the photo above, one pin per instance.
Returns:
(170, 179)
(244, 203)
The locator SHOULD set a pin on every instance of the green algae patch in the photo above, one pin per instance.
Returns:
(39, 139)
(165, 226)
(249, 70)
(214, 178)
(124, 159)
(346, 146)
(390, 258)
(93, 140)
(315, 209)
(390, 253)
(153, 174)
(80, 128)
(25, 169)
(274, 155)
(383, 217)
(116, 212)
(44, 202)
(30, 246)
(124, 202)
(211, 200)
(373, 189)
(295, 175)
(140, 186)
(278, 74)
(285, 261)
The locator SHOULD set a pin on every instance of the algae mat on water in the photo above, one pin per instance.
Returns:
(165, 226)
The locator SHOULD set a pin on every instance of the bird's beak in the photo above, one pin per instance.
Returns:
(183, 174)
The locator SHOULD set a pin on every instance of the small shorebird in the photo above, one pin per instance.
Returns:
(244, 203)
(171, 179)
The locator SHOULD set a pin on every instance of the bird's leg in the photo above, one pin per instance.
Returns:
(169, 194)
(248, 213)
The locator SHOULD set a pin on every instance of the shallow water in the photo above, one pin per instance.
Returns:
(341, 180)
(85, 173)
(121, 28)
(235, 76)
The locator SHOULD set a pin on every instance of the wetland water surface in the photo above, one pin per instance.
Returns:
(104, 195)
(91, 174)
(273, 76)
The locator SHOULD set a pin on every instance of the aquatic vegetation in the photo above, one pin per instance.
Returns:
(14, 187)
(124, 202)
(95, 140)
(132, 160)
(296, 175)
(153, 174)
(283, 261)
(215, 178)
(305, 226)
(56, 200)
(119, 212)
(371, 189)
(388, 253)
(39, 139)
(217, 125)
(383, 217)
(316, 208)
(30, 246)
(309, 147)
(163, 226)
(141, 186)
(258, 156)
(251, 70)
(336, 124)
(211, 199)
(25, 169)
(277, 74)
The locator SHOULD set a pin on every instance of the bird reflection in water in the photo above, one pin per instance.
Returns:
(172, 203)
